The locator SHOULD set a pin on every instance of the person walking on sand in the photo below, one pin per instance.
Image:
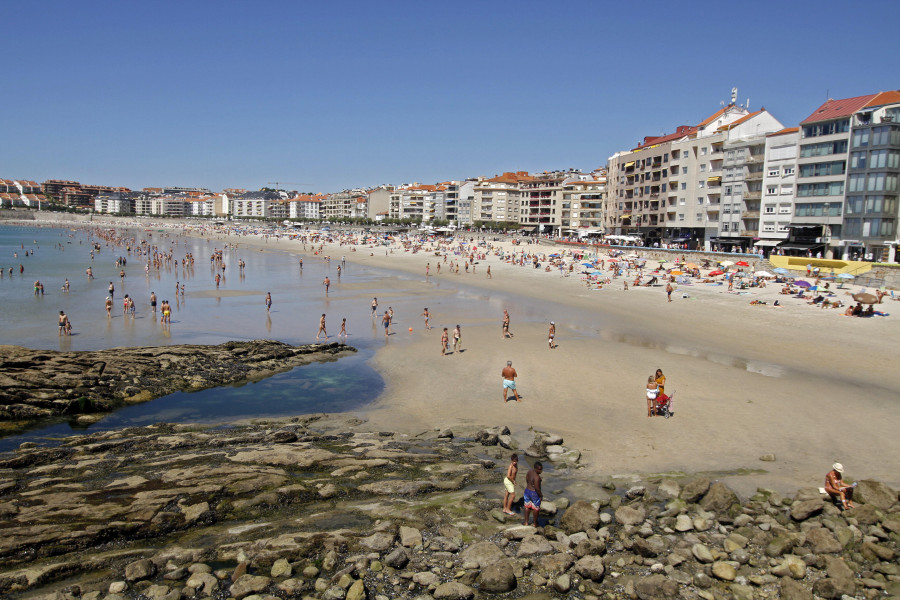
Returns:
(321, 328)
(343, 332)
(509, 381)
(505, 326)
(837, 489)
(109, 305)
(489, 272)
(327, 284)
(533, 494)
(509, 483)
(386, 322)
(457, 339)
(552, 335)
(427, 316)
(153, 303)
(112, 290)
(669, 290)
(268, 301)
(374, 306)
(445, 341)
(390, 316)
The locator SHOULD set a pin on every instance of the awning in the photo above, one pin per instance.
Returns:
(799, 246)
(629, 164)
(714, 179)
(767, 242)
(528, 227)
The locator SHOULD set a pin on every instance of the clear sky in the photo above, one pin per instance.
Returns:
(351, 94)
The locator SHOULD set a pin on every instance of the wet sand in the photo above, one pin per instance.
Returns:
(803, 383)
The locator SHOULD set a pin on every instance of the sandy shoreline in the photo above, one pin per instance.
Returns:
(803, 383)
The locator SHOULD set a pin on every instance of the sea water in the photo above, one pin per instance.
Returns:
(206, 314)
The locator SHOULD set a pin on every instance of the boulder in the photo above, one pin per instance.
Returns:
(357, 591)
(793, 590)
(822, 541)
(702, 553)
(875, 493)
(140, 569)
(668, 489)
(410, 537)
(453, 591)
(865, 514)
(378, 542)
(781, 544)
(581, 516)
(694, 489)
(724, 571)
(656, 587)
(248, 584)
(683, 523)
(497, 578)
(398, 558)
(649, 547)
(804, 509)
(627, 515)
(719, 498)
(590, 567)
(535, 545)
(791, 566)
(483, 554)
(552, 564)
(281, 568)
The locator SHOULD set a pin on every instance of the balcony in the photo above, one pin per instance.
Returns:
(750, 214)
(756, 195)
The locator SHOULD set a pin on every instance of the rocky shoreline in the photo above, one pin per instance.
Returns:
(318, 507)
(36, 384)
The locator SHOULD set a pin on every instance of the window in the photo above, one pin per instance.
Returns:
(769, 227)
(699, 216)
(837, 167)
(881, 135)
(856, 182)
(703, 167)
(769, 210)
(684, 170)
(853, 205)
(724, 226)
(681, 216)
(787, 189)
(819, 129)
(858, 160)
(701, 184)
(666, 157)
(774, 172)
(878, 159)
(683, 186)
(727, 190)
(831, 188)
(703, 151)
(772, 189)
(823, 149)
(878, 182)
(860, 138)
(681, 201)
(788, 171)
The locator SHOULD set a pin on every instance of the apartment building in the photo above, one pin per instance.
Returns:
(740, 180)
(496, 199)
(304, 206)
(540, 201)
(379, 201)
(458, 196)
(871, 211)
(20, 192)
(418, 202)
(582, 203)
(73, 193)
(119, 203)
(669, 188)
(343, 205)
(779, 187)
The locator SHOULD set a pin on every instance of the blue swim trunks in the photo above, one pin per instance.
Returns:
(509, 384)
(532, 500)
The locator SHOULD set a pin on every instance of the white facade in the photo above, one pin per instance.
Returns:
(304, 208)
(249, 207)
(779, 186)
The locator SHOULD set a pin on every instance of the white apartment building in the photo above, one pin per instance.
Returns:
(242, 207)
(305, 207)
(582, 203)
(779, 187)
(417, 202)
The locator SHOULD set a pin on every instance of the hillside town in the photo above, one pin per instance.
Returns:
(737, 180)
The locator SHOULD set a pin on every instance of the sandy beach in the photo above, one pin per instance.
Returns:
(805, 384)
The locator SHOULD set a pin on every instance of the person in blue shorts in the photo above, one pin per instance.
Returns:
(509, 381)
(533, 494)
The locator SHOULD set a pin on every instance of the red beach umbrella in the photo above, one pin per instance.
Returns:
(742, 263)
(715, 273)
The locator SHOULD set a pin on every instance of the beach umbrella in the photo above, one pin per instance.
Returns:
(716, 273)
(781, 271)
(595, 272)
(845, 276)
(742, 263)
(802, 283)
(864, 298)
(691, 266)
(587, 264)
(675, 272)
(763, 274)
(663, 260)
(726, 263)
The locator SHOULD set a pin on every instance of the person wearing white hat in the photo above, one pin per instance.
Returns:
(837, 489)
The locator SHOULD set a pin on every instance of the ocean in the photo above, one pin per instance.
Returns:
(204, 315)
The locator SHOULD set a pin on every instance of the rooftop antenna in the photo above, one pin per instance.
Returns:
(748, 103)
(733, 95)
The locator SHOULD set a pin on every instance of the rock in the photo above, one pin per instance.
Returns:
(821, 541)
(483, 554)
(702, 553)
(804, 509)
(206, 582)
(281, 568)
(356, 591)
(668, 489)
(865, 514)
(453, 591)
(581, 516)
(248, 584)
(683, 523)
(590, 567)
(445, 435)
(497, 578)
(724, 571)
(650, 547)
(719, 498)
(767, 458)
(874, 493)
(782, 544)
(140, 569)
(535, 545)
(552, 564)
(410, 537)
(636, 491)
(792, 590)
(833, 588)
(310, 572)
(397, 559)
(873, 551)
(694, 489)
(562, 584)
(627, 515)
(426, 579)
(656, 587)
(117, 587)
(379, 541)
(791, 566)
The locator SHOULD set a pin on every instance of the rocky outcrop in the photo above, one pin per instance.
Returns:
(35, 384)
(295, 508)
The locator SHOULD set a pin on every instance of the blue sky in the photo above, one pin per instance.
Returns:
(349, 94)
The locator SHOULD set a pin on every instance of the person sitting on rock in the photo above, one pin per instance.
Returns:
(837, 489)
